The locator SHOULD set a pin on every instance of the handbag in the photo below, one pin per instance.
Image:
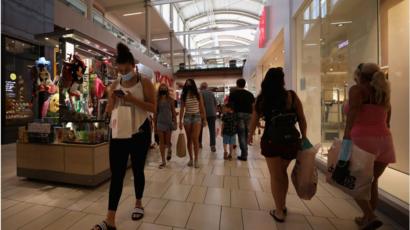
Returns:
(350, 169)
(181, 145)
(121, 122)
(304, 174)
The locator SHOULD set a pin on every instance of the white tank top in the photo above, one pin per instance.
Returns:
(137, 113)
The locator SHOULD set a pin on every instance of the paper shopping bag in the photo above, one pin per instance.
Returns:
(121, 123)
(181, 145)
(304, 174)
(358, 176)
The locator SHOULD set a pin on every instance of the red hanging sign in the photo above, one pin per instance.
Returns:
(262, 28)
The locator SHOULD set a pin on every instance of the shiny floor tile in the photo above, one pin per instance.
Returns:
(231, 219)
(175, 214)
(204, 217)
(218, 196)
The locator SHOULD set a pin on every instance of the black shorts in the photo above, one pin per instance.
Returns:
(287, 152)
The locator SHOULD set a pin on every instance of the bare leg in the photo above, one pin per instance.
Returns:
(196, 129)
(162, 145)
(279, 183)
(188, 131)
(231, 149)
(378, 171)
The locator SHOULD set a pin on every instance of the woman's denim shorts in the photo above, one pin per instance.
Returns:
(190, 119)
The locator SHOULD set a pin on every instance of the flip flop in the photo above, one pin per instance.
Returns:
(104, 226)
(137, 214)
(272, 213)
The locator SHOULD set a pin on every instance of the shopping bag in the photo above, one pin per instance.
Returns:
(181, 145)
(354, 174)
(121, 122)
(304, 174)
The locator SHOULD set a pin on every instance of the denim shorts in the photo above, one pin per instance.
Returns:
(190, 119)
(229, 139)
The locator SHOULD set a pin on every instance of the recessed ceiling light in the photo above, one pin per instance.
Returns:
(46, 38)
(57, 46)
(341, 23)
(131, 14)
(159, 39)
(104, 49)
(89, 50)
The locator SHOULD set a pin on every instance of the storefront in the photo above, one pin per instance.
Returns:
(332, 38)
(68, 141)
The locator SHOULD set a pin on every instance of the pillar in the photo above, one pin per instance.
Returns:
(89, 12)
(148, 8)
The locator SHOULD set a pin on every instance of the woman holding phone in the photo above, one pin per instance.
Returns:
(131, 89)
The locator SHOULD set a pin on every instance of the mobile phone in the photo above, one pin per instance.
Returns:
(119, 93)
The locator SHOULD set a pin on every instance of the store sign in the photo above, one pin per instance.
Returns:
(343, 44)
(69, 50)
(262, 28)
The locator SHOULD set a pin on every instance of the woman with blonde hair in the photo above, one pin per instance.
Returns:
(367, 126)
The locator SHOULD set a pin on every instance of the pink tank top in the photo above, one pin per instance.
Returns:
(370, 121)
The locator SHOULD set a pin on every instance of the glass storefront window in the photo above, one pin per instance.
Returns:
(330, 48)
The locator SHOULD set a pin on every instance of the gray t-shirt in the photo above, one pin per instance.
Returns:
(210, 103)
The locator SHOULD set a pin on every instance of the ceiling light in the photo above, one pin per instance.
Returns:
(104, 49)
(57, 46)
(131, 14)
(341, 23)
(159, 39)
(46, 38)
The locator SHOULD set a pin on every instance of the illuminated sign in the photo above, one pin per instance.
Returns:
(343, 44)
(262, 28)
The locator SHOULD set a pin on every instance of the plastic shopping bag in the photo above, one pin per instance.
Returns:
(350, 169)
(304, 174)
(121, 123)
(181, 145)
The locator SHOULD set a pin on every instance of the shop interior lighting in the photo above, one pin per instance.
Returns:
(159, 39)
(134, 13)
(46, 38)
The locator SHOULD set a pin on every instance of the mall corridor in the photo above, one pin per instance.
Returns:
(226, 195)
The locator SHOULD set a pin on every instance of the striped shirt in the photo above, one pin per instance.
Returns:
(191, 105)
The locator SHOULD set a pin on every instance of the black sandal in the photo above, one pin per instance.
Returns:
(137, 214)
(272, 213)
(371, 225)
(104, 226)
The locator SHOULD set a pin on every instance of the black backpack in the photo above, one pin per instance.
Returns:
(282, 126)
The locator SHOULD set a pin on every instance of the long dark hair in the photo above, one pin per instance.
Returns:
(273, 95)
(124, 56)
(190, 89)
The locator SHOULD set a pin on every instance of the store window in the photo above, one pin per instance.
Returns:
(329, 49)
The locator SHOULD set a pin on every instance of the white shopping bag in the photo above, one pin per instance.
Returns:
(360, 169)
(121, 123)
(304, 174)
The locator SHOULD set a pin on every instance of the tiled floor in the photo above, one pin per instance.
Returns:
(226, 195)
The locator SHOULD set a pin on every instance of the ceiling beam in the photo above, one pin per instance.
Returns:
(212, 30)
(218, 12)
(162, 2)
(222, 22)
(235, 47)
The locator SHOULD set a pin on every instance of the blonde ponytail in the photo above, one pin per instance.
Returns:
(381, 86)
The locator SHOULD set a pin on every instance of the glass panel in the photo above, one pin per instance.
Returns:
(329, 48)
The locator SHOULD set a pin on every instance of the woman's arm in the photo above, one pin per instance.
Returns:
(254, 122)
(111, 98)
(149, 102)
(181, 113)
(301, 116)
(388, 116)
(174, 113)
(202, 110)
(355, 104)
